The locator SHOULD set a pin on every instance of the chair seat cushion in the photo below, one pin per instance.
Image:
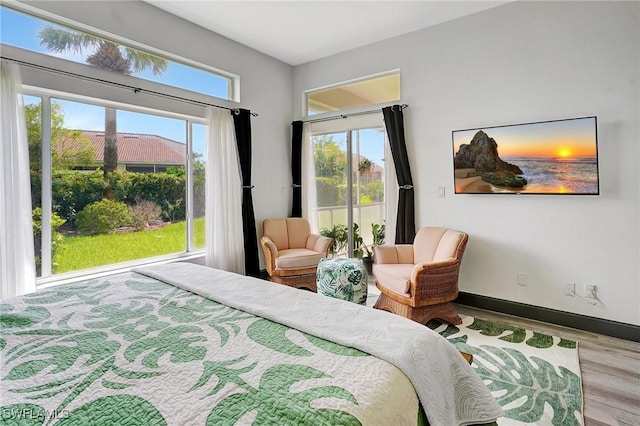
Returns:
(394, 276)
(299, 258)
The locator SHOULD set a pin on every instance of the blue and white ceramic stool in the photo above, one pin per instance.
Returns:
(342, 278)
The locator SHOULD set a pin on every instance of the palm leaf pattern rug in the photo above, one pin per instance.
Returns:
(534, 377)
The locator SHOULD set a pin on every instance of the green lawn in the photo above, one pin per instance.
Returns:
(78, 252)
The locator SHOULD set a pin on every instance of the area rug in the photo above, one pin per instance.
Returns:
(534, 377)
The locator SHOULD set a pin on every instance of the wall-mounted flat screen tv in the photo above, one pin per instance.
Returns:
(549, 157)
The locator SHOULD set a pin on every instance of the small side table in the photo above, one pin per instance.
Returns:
(343, 278)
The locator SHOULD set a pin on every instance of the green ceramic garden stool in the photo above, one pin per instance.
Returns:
(342, 278)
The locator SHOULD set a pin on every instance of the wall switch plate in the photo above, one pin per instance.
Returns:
(441, 191)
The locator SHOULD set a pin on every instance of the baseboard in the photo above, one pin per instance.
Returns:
(620, 330)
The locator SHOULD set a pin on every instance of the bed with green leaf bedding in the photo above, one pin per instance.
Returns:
(184, 344)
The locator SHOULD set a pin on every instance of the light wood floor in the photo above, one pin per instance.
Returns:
(610, 367)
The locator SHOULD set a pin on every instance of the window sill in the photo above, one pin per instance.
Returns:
(87, 274)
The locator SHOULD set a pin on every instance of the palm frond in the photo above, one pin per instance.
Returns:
(60, 40)
(142, 60)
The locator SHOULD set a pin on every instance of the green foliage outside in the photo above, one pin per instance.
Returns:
(166, 190)
(374, 191)
(331, 181)
(68, 148)
(104, 216)
(56, 237)
(73, 190)
(328, 157)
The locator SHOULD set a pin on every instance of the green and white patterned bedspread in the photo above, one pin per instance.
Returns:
(131, 349)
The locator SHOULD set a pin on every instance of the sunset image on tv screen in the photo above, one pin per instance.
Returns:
(551, 157)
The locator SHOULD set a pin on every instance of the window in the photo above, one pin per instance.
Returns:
(37, 35)
(153, 206)
(370, 91)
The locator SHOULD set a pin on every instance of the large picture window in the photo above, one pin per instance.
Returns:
(110, 185)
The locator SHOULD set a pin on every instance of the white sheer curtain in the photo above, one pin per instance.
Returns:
(223, 217)
(17, 266)
(309, 200)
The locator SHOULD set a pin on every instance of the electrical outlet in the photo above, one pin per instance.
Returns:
(590, 291)
(522, 279)
(570, 289)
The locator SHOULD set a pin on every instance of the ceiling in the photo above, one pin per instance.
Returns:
(296, 32)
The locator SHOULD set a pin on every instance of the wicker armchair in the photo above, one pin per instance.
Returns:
(418, 281)
(292, 252)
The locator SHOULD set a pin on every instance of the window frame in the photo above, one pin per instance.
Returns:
(367, 107)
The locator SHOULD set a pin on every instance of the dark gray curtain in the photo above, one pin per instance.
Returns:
(296, 167)
(242, 125)
(405, 224)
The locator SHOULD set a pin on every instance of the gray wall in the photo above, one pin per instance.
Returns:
(523, 62)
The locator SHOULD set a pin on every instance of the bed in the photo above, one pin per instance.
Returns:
(185, 344)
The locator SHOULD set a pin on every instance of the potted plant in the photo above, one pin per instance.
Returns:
(377, 230)
(364, 166)
(368, 259)
(340, 234)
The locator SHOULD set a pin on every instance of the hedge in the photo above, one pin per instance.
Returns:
(166, 190)
(73, 190)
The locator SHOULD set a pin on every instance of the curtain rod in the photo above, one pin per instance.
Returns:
(122, 86)
(335, 117)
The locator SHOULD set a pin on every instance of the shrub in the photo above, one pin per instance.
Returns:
(145, 212)
(73, 190)
(327, 192)
(166, 190)
(103, 217)
(374, 190)
(56, 237)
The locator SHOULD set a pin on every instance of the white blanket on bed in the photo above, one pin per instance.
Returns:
(449, 390)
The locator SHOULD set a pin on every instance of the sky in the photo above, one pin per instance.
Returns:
(572, 138)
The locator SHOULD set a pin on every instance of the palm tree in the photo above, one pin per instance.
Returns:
(108, 56)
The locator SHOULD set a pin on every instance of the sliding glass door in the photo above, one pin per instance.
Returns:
(349, 168)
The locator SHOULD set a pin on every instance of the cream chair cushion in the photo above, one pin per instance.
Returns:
(297, 259)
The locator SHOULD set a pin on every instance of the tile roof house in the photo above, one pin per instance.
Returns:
(140, 152)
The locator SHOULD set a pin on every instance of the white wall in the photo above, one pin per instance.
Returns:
(265, 83)
(523, 62)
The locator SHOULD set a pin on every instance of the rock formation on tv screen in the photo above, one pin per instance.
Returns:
(481, 155)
